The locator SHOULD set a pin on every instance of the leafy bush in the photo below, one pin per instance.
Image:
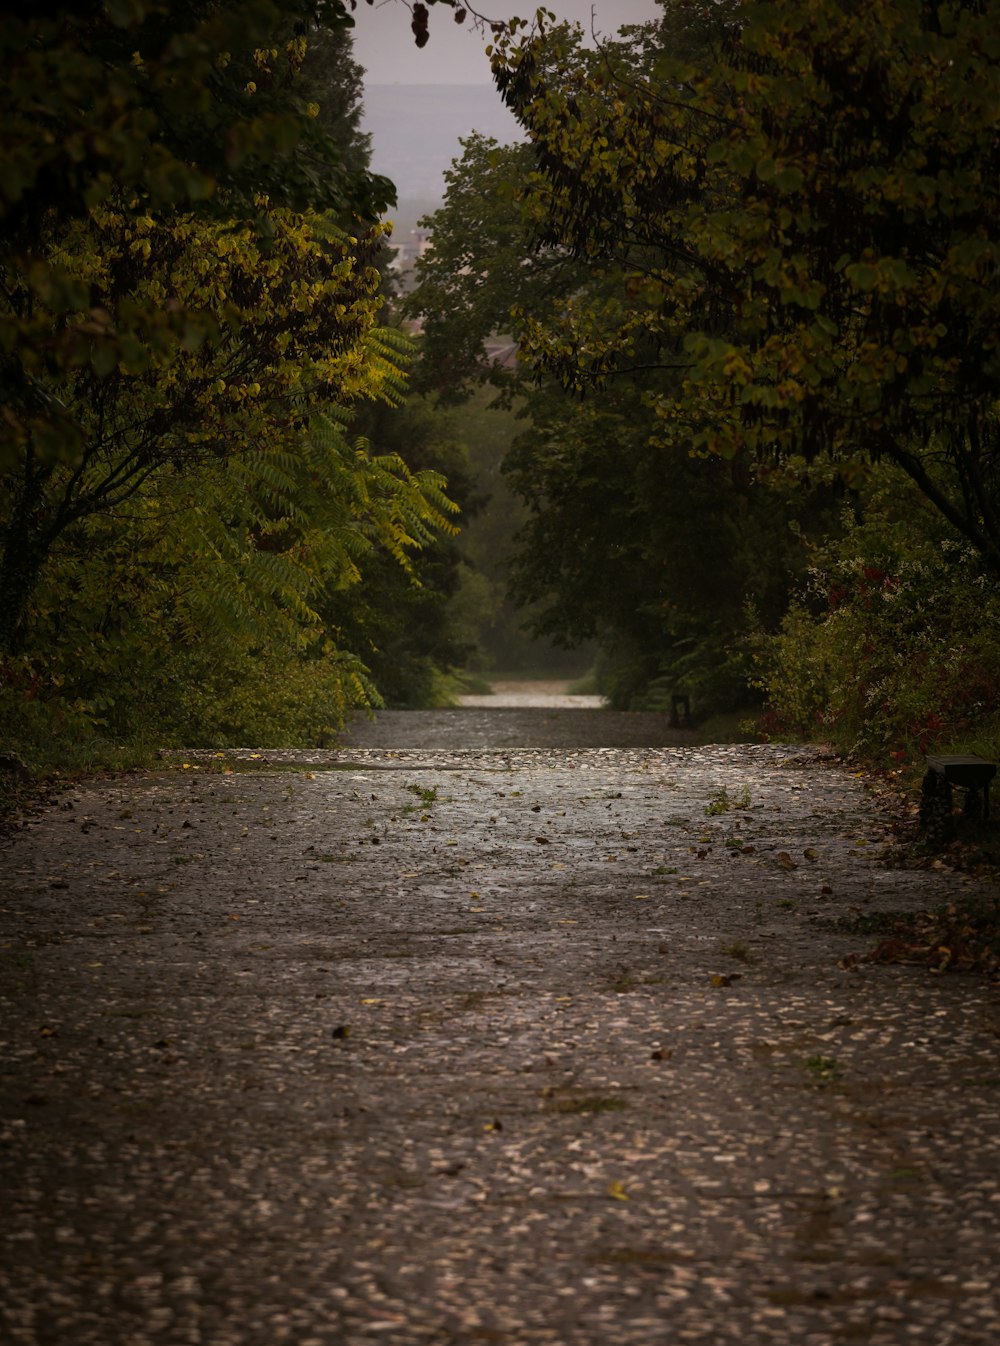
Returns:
(893, 649)
(206, 615)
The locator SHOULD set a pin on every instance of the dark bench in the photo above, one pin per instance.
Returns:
(971, 774)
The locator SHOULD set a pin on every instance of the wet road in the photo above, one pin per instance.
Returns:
(424, 1043)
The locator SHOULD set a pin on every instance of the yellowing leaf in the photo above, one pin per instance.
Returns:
(618, 1192)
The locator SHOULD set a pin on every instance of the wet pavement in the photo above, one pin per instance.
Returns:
(489, 727)
(416, 1042)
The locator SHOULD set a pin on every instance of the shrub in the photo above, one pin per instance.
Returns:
(893, 649)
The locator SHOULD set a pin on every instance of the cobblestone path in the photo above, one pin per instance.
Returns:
(485, 1045)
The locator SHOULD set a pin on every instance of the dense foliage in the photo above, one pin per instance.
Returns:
(806, 223)
(748, 255)
(647, 552)
(190, 318)
(891, 647)
(758, 248)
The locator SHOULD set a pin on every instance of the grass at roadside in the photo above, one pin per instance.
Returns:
(32, 774)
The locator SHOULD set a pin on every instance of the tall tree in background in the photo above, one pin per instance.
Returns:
(482, 265)
(332, 81)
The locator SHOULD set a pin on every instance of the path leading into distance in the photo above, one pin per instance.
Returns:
(417, 1042)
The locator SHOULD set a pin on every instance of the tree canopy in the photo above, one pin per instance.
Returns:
(805, 223)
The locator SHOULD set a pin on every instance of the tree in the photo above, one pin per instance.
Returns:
(189, 310)
(482, 263)
(178, 104)
(332, 81)
(196, 107)
(653, 555)
(215, 612)
(399, 619)
(206, 610)
(891, 647)
(277, 331)
(649, 550)
(806, 228)
(148, 157)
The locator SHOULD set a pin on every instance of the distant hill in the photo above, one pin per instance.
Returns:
(415, 130)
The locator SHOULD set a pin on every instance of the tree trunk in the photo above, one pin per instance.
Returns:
(20, 569)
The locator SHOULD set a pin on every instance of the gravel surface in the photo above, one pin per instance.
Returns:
(418, 1043)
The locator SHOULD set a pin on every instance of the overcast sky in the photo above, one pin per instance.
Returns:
(383, 43)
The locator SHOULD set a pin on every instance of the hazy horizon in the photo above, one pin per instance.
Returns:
(415, 130)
